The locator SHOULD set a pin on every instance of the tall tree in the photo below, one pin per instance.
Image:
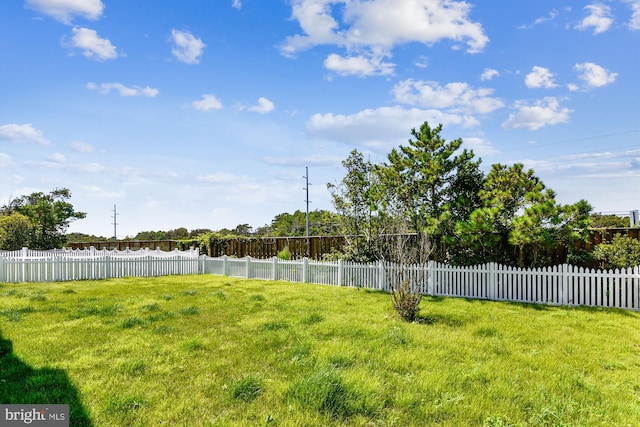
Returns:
(419, 181)
(49, 214)
(355, 200)
(519, 212)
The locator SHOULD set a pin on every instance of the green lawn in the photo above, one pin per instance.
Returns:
(218, 351)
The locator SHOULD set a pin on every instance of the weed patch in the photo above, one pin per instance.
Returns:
(326, 392)
(132, 322)
(247, 388)
(274, 326)
(190, 311)
(193, 345)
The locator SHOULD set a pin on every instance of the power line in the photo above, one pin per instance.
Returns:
(586, 138)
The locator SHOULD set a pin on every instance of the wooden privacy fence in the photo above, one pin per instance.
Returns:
(558, 285)
(314, 247)
(61, 265)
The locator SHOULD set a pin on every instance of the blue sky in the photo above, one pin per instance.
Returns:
(204, 113)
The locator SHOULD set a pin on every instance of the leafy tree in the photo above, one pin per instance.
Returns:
(321, 223)
(419, 179)
(177, 234)
(608, 221)
(49, 215)
(355, 199)
(151, 235)
(82, 237)
(14, 231)
(243, 230)
(622, 252)
(198, 232)
(518, 210)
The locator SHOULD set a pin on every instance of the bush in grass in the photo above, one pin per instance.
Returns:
(405, 301)
(622, 252)
(247, 389)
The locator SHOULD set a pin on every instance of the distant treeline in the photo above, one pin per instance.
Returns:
(315, 247)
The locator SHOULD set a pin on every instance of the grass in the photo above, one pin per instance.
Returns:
(217, 351)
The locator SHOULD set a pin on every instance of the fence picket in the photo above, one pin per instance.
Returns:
(559, 285)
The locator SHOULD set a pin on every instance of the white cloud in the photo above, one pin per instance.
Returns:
(5, 160)
(539, 77)
(421, 62)
(601, 165)
(489, 74)
(372, 28)
(187, 48)
(65, 10)
(123, 90)
(229, 186)
(634, 22)
(480, 146)
(544, 112)
(552, 15)
(359, 65)
(594, 75)
(91, 45)
(599, 18)
(57, 158)
(82, 147)
(456, 96)
(264, 106)
(236, 4)
(207, 103)
(22, 133)
(381, 128)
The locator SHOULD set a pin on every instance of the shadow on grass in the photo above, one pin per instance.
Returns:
(21, 384)
(450, 320)
(548, 307)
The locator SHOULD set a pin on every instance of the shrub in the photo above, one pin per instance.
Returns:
(405, 301)
(285, 253)
(622, 252)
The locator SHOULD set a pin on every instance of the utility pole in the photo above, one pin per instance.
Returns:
(115, 224)
(306, 188)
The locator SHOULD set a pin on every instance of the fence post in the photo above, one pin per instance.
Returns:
(107, 266)
(305, 267)
(564, 284)
(340, 273)
(274, 269)
(248, 266)
(381, 276)
(492, 295)
(636, 287)
(224, 265)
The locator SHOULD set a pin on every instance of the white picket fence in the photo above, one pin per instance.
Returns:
(558, 285)
(59, 265)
